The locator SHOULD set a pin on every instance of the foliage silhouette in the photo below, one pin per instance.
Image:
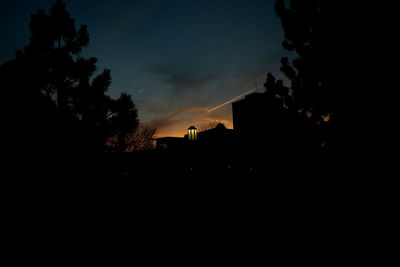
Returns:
(142, 139)
(296, 130)
(124, 119)
(51, 92)
(314, 91)
(208, 124)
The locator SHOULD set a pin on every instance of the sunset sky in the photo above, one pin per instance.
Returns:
(178, 59)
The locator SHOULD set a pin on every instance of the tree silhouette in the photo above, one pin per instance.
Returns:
(208, 125)
(314, 90)
(54, 43)
(123, 119)
(51, 92)
(141, 139)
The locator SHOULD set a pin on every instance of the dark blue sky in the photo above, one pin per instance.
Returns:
(176, 58)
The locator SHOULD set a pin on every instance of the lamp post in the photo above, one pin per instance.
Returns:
(192, 133)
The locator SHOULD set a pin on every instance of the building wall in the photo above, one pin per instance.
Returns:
(248, 114)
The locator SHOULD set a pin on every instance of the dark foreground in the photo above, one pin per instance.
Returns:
(154, 192)
(176, 169)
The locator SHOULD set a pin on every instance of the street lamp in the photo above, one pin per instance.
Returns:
(192, 133)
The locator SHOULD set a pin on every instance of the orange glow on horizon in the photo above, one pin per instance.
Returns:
(181, 129)
(176, 123)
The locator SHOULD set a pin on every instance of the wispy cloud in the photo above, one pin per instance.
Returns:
(181, 78)
(178, 115)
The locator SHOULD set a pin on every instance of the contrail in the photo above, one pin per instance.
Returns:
(232, 100)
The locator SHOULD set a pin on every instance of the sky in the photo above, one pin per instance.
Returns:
(178, 59)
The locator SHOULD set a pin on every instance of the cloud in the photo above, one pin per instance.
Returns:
(181, 77)
(178, 115)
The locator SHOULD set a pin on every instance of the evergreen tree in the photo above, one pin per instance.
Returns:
(312, 74)
(123, 120)
(51, 89)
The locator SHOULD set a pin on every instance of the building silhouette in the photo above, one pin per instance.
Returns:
(222, 152)
(249, 115)
(265, 138)
(218, 137)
